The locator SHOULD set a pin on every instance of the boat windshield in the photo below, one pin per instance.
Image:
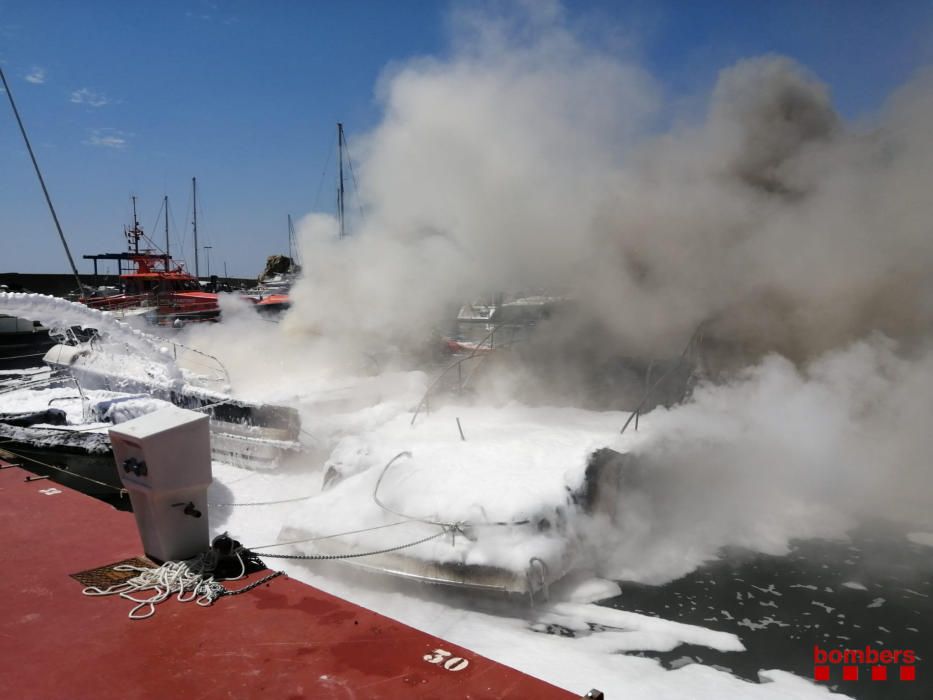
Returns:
(157, 285)
(139, 286)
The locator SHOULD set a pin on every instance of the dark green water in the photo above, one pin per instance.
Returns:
(780, 607)
(93, 474)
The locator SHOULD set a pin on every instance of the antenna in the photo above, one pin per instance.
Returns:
(135, 232)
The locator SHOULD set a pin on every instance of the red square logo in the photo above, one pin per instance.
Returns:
(821, 673)
(850, 673)
(879, 673)
(908, 673)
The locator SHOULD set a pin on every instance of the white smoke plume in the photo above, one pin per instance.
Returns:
(777, 453)
(527, 159)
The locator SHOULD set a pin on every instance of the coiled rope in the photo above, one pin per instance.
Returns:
(193, 579)
(188, 580)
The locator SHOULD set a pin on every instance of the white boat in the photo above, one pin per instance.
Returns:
(505, 506)
(128, 362)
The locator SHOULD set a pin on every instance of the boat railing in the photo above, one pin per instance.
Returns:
(201, 360)
(39, 381)
(692, 344)
(479, 352)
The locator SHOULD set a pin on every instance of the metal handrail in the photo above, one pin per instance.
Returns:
(694, 339)
(223, 369)
(458, 363)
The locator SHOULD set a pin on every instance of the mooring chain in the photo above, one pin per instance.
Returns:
(254, 584)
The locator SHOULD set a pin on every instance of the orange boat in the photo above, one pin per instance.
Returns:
(153, 285)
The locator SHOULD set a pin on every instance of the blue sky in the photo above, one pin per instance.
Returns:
(125, 98)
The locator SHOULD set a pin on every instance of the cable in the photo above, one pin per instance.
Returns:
(158, 218)
(357, 555)
(320, 186)
(119, 490)
(260, 503)
(174, 227)
(386, 508)
(184, 230)
(452, 526)
(329, 537)
(356, 186)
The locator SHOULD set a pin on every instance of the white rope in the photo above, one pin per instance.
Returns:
(188, 580)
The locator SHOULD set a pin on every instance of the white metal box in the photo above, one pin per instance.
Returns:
(164, 462)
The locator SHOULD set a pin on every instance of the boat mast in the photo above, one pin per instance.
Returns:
(45, 191)
(167, 251)
(194, 197)
(340, 216)
(292, 243)
(135, 232)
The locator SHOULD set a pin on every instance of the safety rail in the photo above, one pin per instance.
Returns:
(695, 339)
(216, 366)
(480, 351)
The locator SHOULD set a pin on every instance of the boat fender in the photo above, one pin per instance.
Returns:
(50, 416)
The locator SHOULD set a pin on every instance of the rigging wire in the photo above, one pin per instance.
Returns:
(173, 227)
(320, 187)
(203, 229)
(45, 191)
(158, 219)
(184, 230)
(356, 186)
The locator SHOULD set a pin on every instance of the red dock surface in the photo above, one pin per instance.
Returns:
(283, 639)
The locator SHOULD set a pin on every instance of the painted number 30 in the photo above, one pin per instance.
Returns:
(443, 657)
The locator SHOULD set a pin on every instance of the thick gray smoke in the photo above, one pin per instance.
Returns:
(801, 244)
(776, 453)
(528, 160)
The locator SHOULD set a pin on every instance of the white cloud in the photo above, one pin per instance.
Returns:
(90, 98)
(36, 76)
(107, 138)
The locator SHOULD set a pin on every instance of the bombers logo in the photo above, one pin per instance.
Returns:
(884, 664)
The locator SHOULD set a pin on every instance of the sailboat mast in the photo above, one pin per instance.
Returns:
(194, 198)
(45, 191)
(340, 215)
(168, 252)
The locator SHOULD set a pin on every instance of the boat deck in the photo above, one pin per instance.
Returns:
(283, 639)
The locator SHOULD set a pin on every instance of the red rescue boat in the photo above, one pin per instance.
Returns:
(153, 285)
